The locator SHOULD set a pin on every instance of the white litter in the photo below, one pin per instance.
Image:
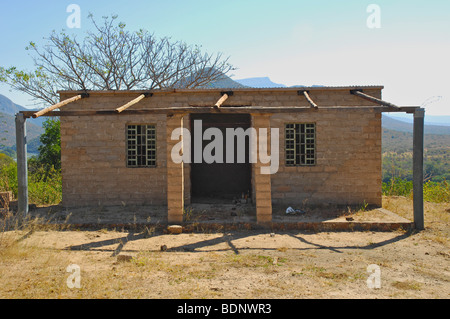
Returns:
(290, 210)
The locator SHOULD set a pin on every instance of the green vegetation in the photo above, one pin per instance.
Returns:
(44, 171)
(397, 156)
(437, 192)
(50, 149)
(397, 165)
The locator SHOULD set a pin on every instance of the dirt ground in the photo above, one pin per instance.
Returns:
(255, 264)
(218, 213)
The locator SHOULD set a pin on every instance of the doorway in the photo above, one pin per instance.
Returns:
(220, 181)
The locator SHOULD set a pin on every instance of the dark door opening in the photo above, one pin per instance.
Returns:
(211, 182)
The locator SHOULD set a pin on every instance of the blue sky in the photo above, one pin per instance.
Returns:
(292, 42)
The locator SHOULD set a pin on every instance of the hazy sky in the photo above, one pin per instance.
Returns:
(292, 42)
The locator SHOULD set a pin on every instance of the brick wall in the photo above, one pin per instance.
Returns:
(348, 166)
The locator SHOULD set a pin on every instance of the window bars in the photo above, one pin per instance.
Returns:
(300, 144)
(141, 146)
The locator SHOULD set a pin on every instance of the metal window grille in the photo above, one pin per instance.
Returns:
(141, 145)
(300, 144)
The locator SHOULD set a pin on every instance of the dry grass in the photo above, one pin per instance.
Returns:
(33, 262)
(436, 216)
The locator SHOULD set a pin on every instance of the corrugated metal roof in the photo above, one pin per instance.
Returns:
(265, 89)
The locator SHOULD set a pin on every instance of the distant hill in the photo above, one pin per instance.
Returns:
(224, 82)
(402, 126)
(9, 107)
(262, 82)
(397, 150)
(400, 142)
(441, 120)
(265, 82)
(8, 130)
(8, 110)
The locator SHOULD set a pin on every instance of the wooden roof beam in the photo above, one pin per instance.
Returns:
(223, 98)
(209, 109)
(308, 98)
(364, 96)
(132, 102)
(59, 105)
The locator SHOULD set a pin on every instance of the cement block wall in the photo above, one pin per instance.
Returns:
(348, 149)
(348, 160)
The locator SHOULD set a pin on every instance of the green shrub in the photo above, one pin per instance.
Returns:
(44, 185)
(8, 178)
(397, 187)
(437, 192)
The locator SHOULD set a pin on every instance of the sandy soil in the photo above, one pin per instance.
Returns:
(243, 264)
(205, 213)
(116, 263)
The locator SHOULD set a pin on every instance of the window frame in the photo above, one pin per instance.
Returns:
(127, 148)
(286, 149)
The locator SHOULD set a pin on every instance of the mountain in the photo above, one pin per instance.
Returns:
(8, 107)
(8, 130)
(262, 82)
(8, 110)
(402, 126)
(224, 82)
(265, 82)
(399, 142)
(443, 120)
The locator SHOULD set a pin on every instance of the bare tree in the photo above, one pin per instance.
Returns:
(112, 58)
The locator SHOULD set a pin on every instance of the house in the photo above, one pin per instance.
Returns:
(277, 146)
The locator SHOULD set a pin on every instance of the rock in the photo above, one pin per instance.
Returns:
(163, 247)
(175, 229)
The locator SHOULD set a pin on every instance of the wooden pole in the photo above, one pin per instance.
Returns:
(372, 99)
(22, 170)
(221, 100)
(418, 137)
(308, 98)
(132, 102)
(58, 105)
(209, 109)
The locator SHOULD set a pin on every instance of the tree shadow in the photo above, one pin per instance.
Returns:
(338, 248)
(121, 241)
(226, 238)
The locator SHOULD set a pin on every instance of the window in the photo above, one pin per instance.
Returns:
(300, 144)
(141, 145)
